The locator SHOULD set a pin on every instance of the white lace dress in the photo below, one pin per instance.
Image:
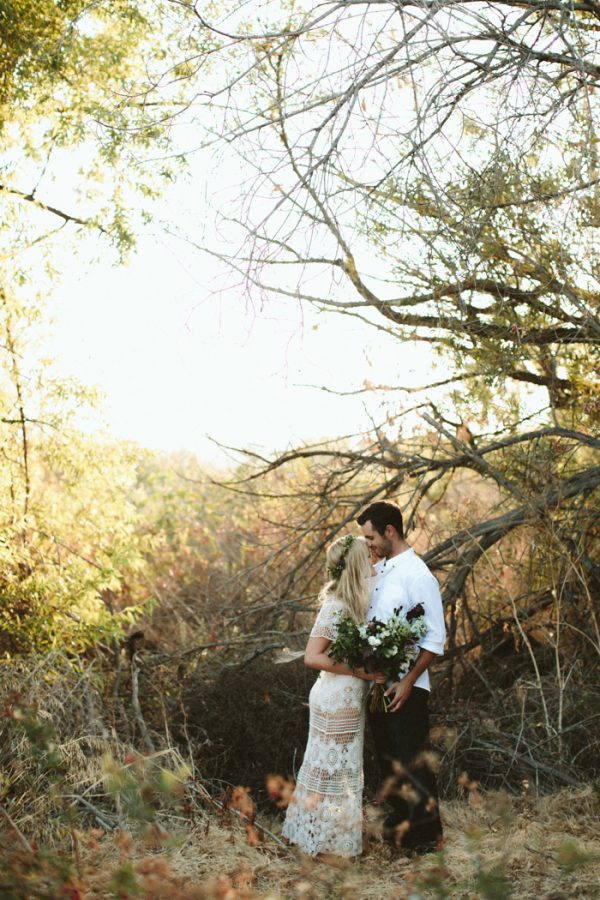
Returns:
(325, 812)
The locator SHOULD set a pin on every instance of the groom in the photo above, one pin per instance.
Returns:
(402, 582)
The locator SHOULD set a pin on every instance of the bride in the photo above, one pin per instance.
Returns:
(325, 810)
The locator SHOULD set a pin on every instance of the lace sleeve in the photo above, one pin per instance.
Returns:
(325, 623)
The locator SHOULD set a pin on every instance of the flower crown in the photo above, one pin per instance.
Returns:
(335, 572)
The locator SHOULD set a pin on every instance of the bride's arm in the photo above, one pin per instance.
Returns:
(316, 657)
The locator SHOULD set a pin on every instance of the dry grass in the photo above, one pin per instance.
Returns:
(548, 847)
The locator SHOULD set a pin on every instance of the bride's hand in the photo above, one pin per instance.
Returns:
(369, 676)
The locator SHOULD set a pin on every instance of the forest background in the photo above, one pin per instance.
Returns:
(428, 172)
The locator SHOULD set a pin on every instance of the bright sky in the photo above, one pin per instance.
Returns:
(180, 354)
(177, 363)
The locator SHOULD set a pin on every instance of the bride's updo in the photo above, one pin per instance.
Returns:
(348, 570)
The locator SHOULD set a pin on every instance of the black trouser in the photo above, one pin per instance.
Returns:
(409, 788)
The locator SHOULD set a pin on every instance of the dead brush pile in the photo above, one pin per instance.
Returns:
(500, 736)
(83, 814)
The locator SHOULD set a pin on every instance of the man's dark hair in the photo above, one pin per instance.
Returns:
(381, 515)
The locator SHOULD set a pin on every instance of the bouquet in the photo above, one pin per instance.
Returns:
(387, 647)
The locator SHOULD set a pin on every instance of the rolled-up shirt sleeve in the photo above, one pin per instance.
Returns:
(426, 590)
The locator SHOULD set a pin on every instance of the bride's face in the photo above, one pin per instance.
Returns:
(367, 562)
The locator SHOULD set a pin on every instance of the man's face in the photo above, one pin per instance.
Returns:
(379, 544)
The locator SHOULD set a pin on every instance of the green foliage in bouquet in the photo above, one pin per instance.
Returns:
(386, 647)
(348, 645)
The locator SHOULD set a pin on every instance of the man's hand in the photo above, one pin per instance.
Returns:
(398, 693)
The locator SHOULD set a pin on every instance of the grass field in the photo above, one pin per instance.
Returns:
(496, 847)
(84, 816)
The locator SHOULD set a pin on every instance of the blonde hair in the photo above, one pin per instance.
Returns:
(349, 557)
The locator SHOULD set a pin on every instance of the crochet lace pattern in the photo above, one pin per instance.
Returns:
(325, 811)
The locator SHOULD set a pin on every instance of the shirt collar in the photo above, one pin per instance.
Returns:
(386, 565)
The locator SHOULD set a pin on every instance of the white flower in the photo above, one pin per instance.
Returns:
(374, 641)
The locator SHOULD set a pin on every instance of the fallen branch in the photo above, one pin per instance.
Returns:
(528, 761)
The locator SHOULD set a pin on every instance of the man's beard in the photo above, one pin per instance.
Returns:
(386, 547)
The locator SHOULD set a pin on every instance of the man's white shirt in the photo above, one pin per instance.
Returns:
(401, 583)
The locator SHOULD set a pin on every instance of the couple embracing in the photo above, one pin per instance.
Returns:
(325, 812)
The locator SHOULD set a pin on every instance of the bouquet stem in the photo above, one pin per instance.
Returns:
(378, 702)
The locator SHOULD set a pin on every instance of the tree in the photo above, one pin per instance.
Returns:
(482, 215)
(431, 169)
(76, 85)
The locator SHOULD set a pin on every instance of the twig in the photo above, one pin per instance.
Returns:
(242, 816)
(23, 840)
(540, 853)
(135, 703)
(76, 851)
(254, 655)
(106, 820)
